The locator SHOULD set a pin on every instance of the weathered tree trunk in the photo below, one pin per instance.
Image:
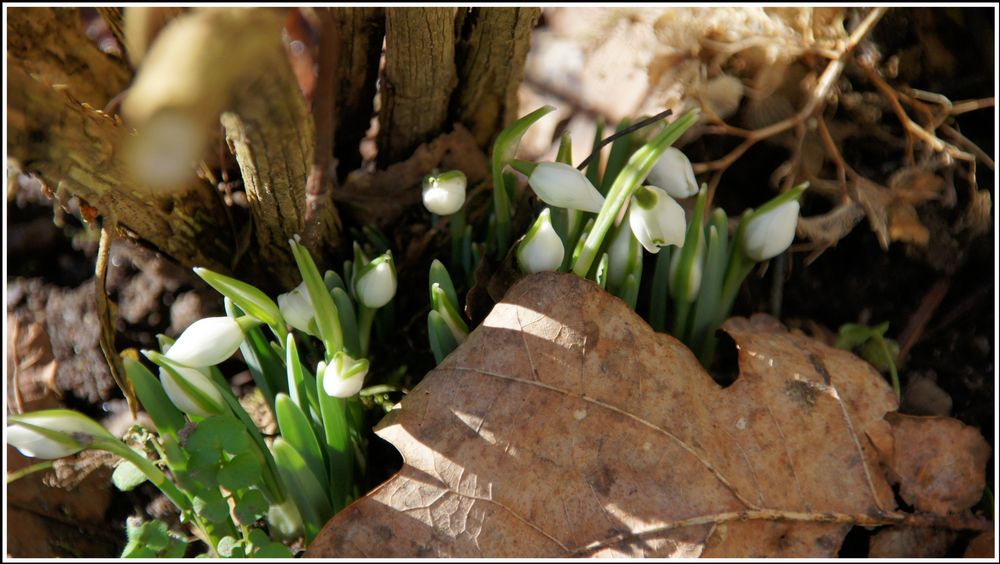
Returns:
(208, 65)
(361, 32)
(490, 55)
(267, 121)
(418, 81)
(78, 151)
(49, 43)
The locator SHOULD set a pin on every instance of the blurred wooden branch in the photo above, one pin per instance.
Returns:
(49, 44)
(490, 55)
(141, 25)
(79, 151)
(232, 62)
(418, 81)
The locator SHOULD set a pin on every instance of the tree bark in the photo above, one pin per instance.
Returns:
(490, 55)
(232, 61)
(361, 31)
(418, 81)
(49, 43)
(79, 151)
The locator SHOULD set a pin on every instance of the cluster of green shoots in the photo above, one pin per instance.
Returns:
(240, 494)
(243, 495)
(600, 224)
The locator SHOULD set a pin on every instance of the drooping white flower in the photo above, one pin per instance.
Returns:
(344, 376)
(52, 433)
(693, 274)
(444, 194)
(189, 389)
(376, 282)
(562, 186)
(624, 252)
(656, 219)
(768, 234)
(207, 342)
(297, 309)
(673, 173)
(541, 250)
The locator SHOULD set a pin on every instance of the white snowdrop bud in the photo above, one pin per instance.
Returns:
(52, 433)
(562, 186)
(673, 174)
(209, 341)
(376, 282)
(444, 194)
(541, 249)
(297, 309)
(344, 376)
(768, 234)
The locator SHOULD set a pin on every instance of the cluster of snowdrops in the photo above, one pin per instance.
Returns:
(243, 494)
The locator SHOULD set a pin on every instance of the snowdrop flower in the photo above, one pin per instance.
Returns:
(562, 186)
(768, 234)
(693, 274)
(444, 194)
(673, 173)
(541, 249)
(209, 341)
(297, 309)
(656, 219)
(189, 389)
(624, 255)
(53, 433)
(376, 282)
(344, 376)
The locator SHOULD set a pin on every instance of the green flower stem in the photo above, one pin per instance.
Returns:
(707, 306)
(893, 374)
(635, 171)
(504, 149)
(456, 228)
(660, 291)
(18, 474)
(366, 316)
(274, 488)
(690, 254)
(154, 474)
(327, 317)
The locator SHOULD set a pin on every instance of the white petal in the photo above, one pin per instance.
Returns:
(620, 253)
(334, 382)
(34, 444)
(662, 225)
(673, 173)
(207, 342)
(770, 233)
(562, 186)
(542, 250)
(444, 196)
(339, 388)
(377, 286)
(180, 399)
(296, 308)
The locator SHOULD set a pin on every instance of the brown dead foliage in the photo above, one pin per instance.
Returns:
(564, 426)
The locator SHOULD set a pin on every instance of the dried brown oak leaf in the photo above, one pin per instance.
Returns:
(564, 426)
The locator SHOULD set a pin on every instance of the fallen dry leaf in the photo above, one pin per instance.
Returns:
(939, 462)
(564, 426)
(981, 546)
(909, 542)
(31, 367)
